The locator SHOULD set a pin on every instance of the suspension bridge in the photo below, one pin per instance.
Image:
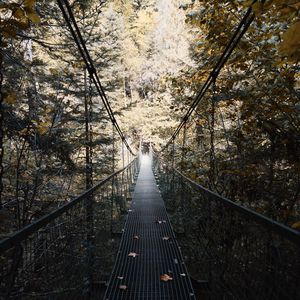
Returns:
(147, 231)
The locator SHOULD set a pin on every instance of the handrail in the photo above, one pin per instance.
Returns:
(23, 233)
(281, 229)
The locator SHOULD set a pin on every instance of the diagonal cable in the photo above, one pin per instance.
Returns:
(77, 36)
(238, 34)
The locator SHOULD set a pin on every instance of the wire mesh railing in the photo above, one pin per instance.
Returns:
(231, 251)
(68, 253)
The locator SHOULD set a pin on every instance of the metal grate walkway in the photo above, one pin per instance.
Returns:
(148, 251)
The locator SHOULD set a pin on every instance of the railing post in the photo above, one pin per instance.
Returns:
(173, 169)
(183, 152)
(123, 155)
(1, 130)
(182, 185)
(212, 169)
(113, 182)
(89, 182)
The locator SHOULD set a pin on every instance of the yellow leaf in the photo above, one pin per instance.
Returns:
(201, 122)
(53, 71)
(248, 3)
(42, 130)
(4, 6)
(48, 110)
(34, 17)
(43, 127)
(290, 45)
(79, 64)
(23, 24)
(9, 31)
(10, 98)
(296, 225)
(19, 13)
(258, 8)
(29, 3)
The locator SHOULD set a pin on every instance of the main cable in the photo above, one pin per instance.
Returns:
(238, 34)
(77, 36)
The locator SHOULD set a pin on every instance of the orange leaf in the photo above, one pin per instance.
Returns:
(296, 225)
(165, 277)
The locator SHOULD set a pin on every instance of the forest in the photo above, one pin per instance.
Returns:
(148, 72)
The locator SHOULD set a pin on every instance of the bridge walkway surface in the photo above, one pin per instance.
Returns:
(149, 264)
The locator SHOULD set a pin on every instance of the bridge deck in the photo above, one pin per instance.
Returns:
(148, 233)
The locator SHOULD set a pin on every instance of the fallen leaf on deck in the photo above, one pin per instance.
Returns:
(160, 221)
(165, 277)
(123, 287)
(132, 254)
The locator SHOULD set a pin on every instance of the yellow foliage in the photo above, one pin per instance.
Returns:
(19, 13)
(29, 3)
(258, 7)
(296, 225)
(201, 122)
(9, 31)
(17, 16)
(34, 17)
(10, 98)
(43, 127)
(290, 45)
(53, 71)
(80, 64)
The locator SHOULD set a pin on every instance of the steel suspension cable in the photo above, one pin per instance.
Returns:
(1, 131)
(238, 34)
(77, 36)
(93, 73)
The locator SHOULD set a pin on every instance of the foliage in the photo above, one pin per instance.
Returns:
(152, 57)
(254, 154)
(45, 86)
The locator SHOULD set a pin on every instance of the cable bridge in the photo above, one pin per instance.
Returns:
(147, 231)
(240, 254)
(149, 262)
